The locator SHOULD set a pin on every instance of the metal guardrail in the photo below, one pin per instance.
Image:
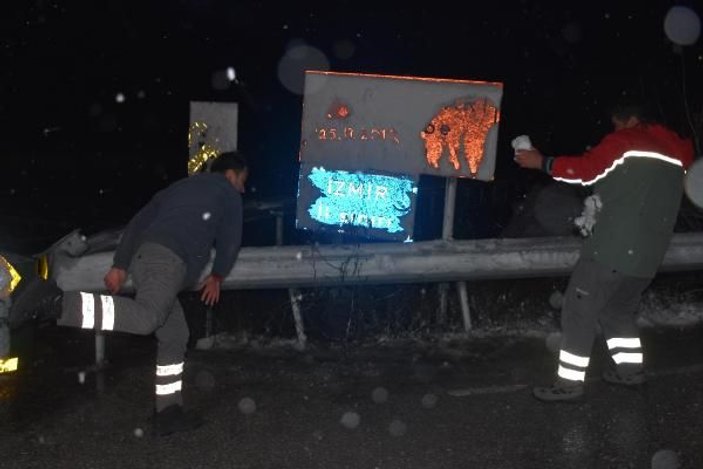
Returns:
(294, 267)
(427, 261)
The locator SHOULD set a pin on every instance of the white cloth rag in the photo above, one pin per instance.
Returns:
(591, 206)
(521, 142)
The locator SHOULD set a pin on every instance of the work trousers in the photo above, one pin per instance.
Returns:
(158, 276)
(600, 295)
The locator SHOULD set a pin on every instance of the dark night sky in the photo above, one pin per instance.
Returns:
(74, 156)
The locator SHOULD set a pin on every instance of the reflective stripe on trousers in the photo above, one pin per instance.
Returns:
(169, 379)
(626, 350)
(88, 312)
(572, 367)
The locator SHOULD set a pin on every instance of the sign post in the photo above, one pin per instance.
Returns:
(366, 138)
(448, 235)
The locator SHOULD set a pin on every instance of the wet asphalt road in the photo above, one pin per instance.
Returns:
(399, 404)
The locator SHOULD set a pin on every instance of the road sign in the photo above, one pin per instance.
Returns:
(368, 204)
(406, 125)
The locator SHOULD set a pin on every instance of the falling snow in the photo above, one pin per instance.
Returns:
(247, 406)
(397, 428)
(350, 420)
(379, 395)
(429, 401)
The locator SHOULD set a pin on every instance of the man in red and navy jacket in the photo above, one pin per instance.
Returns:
(636, 173)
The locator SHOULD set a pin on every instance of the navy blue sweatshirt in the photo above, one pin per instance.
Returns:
(190, 217)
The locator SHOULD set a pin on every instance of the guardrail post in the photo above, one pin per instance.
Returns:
(293, 293)
(99, 350)
(448, 235)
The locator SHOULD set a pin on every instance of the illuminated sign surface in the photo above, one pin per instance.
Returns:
(406, 125)
(388, 127)
(368, 204)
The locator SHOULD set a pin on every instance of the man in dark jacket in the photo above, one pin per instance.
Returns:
(165, 247)
(636, 173)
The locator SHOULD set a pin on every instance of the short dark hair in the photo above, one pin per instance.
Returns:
(631, 106)
(233, 160)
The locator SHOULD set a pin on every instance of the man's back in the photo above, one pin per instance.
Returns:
(189, 216)
(640, 201)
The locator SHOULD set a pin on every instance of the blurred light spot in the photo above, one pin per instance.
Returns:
(397, 428)
(682, 25)
(379, 395)
(138, 432)
(344, 49)
(205, 380)
(120, 97)
(556, 299)
(298, 58)
(231, 74)
(141, 94)
(429, 401)
(206, 216)
(350, 420)
(665, 459)
(247, 406)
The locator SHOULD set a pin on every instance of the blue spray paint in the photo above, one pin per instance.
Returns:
(372, 201)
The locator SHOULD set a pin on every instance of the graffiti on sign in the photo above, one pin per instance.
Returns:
(368, 204)
(406, 125)
(463, 126)
(212, 131)
(201, 152)
(366, 139)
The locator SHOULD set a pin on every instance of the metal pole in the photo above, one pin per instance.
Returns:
(293, 293)
(294, 296)
(448, 235)
(449, 205)
(208, 321)
(99, 350)
(279, 228)
(464, 301)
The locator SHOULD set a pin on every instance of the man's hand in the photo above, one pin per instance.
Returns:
(211, 290)
(114, 279)
(530, 159)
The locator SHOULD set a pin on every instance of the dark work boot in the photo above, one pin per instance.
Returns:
(633, 379)
(560, 391)
(38, 300)
(173, 419)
